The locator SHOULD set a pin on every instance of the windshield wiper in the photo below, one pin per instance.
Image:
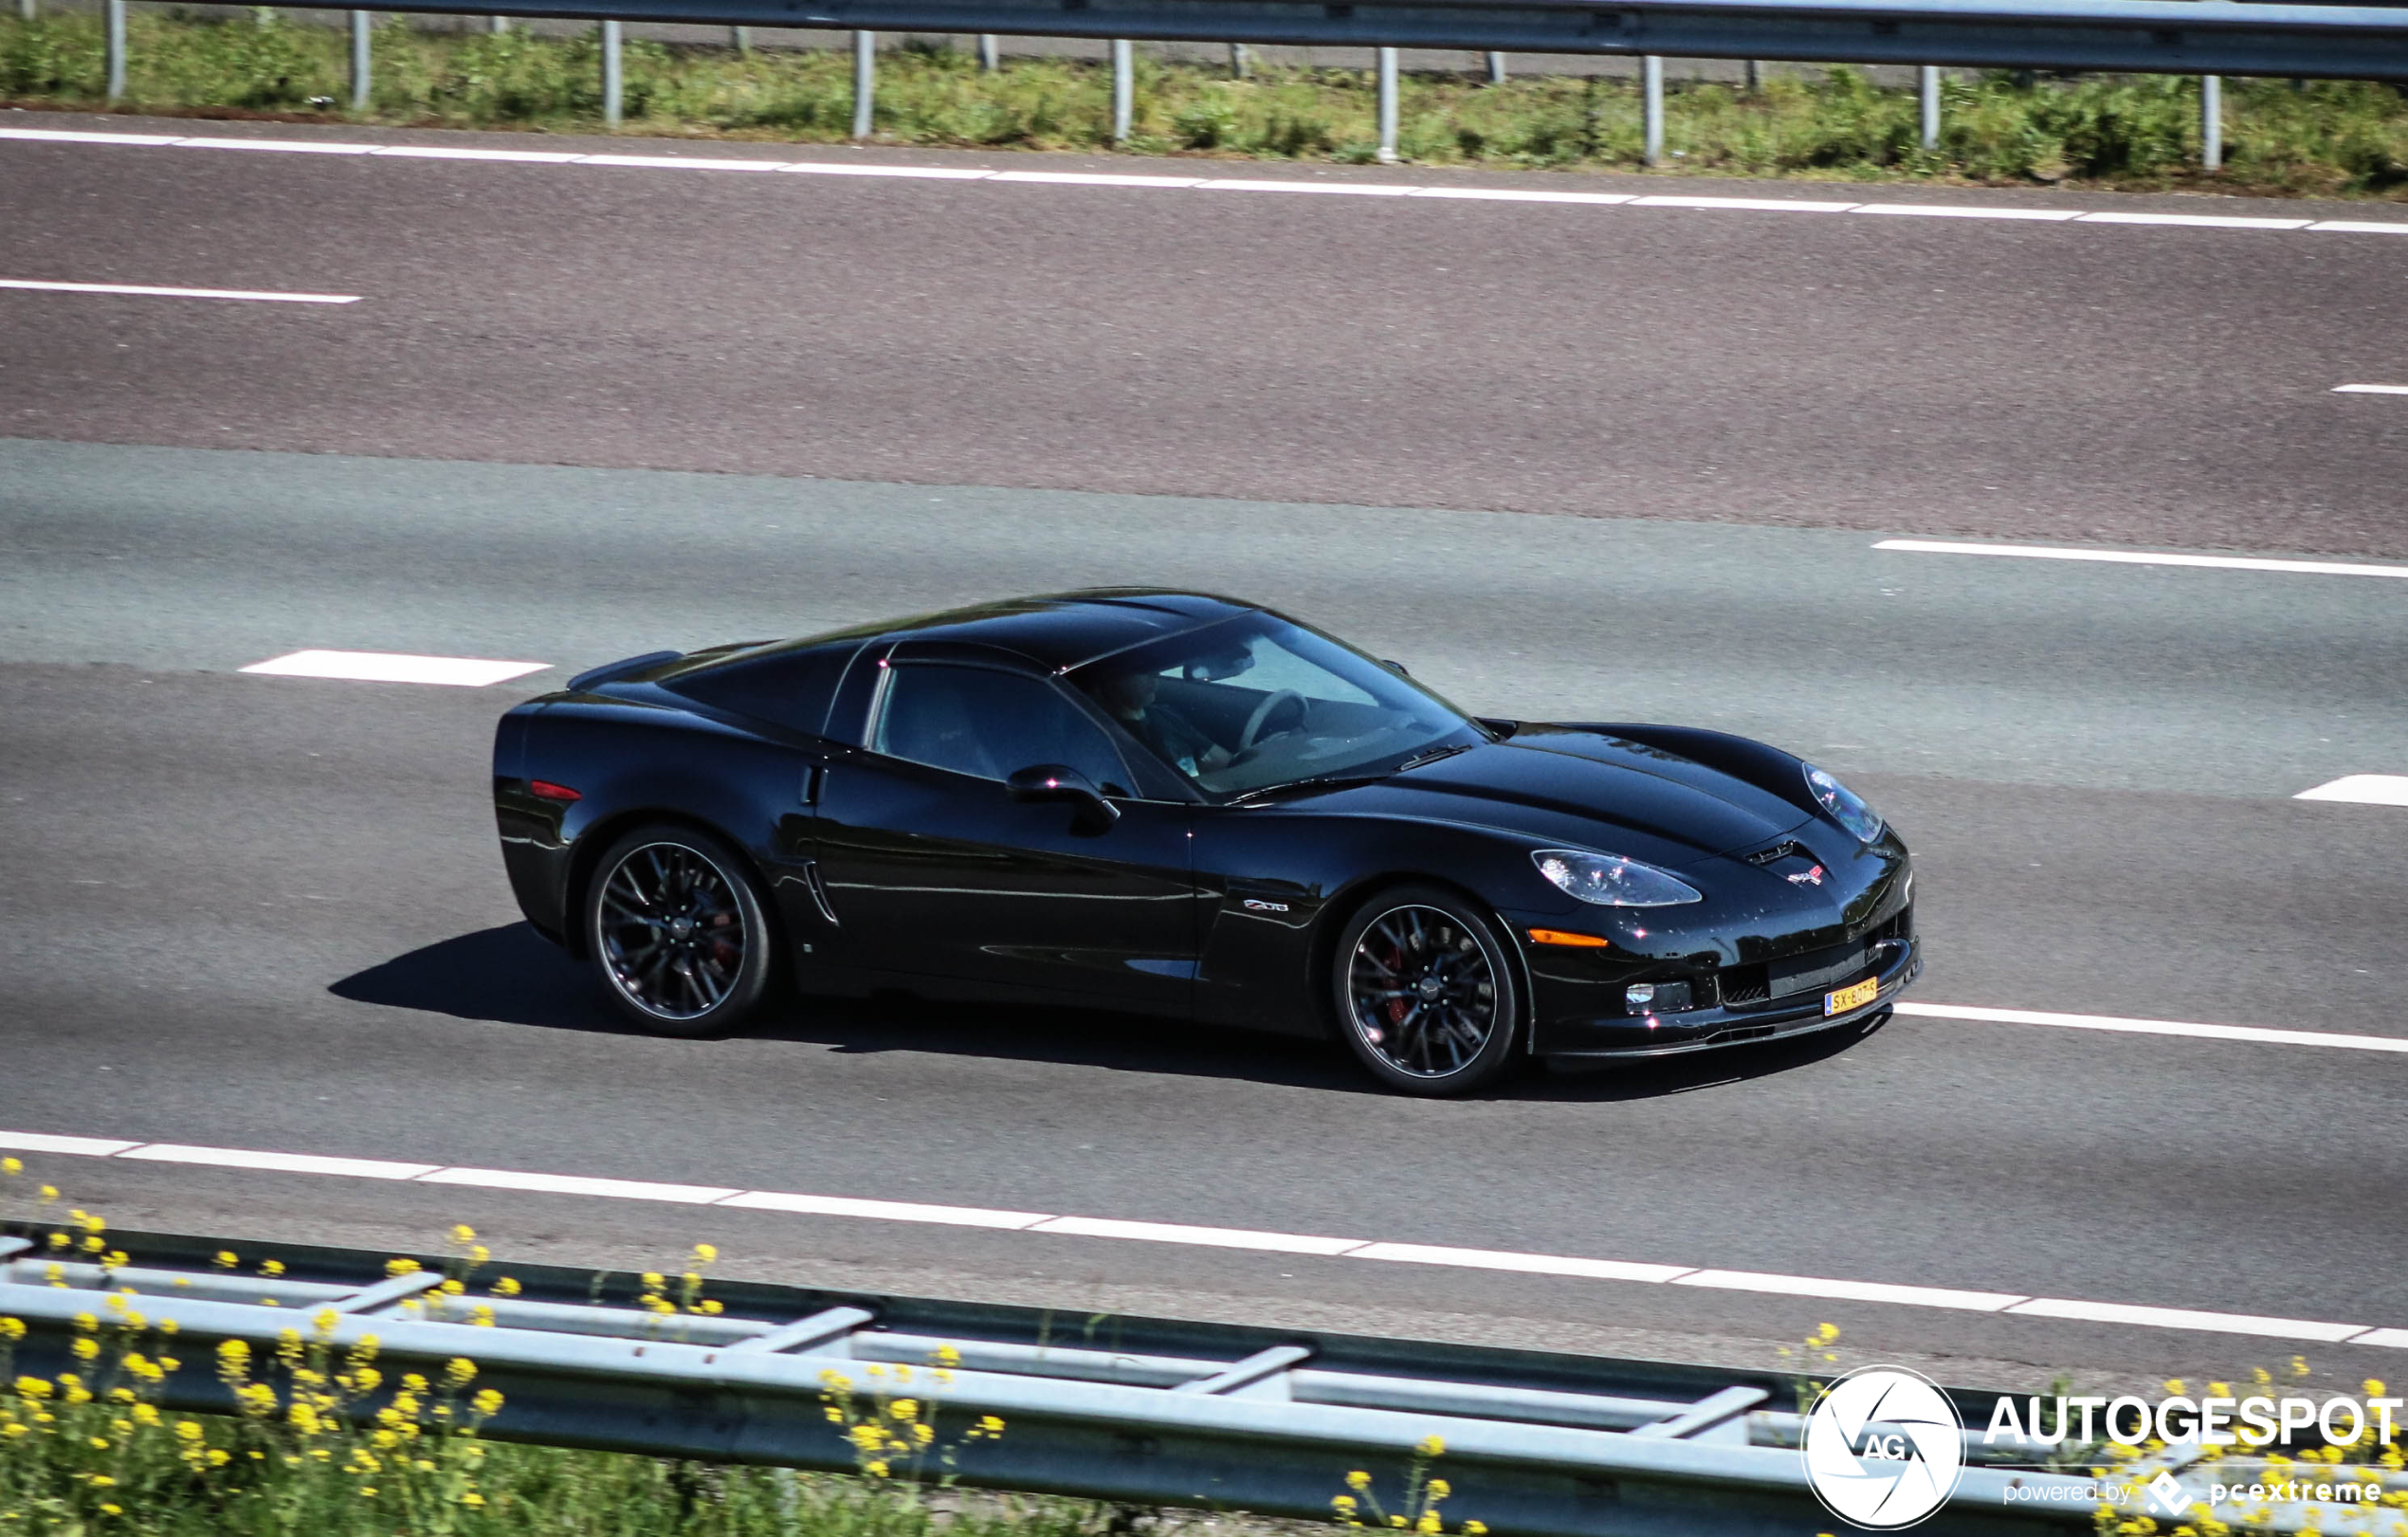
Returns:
(1433, 755)
(1331, 781)
(1320, 782)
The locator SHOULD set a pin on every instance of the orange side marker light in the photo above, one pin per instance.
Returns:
(1557, 936)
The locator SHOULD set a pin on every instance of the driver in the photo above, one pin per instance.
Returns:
(1178, 739)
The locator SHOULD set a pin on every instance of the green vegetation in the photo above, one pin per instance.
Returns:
(2326, 138)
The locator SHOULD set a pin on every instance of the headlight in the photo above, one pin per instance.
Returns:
(1847, 808)
(1610, 880)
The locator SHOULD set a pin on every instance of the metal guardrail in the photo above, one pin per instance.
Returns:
(1133, 1410)
(2207, 38)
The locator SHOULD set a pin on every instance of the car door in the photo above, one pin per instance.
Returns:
(931, 867)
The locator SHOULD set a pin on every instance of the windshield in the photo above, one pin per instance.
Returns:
(1257, 701)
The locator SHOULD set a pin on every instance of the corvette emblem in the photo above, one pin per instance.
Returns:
(1254, 905)
(1808, 877)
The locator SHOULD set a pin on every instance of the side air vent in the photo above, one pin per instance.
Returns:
(1784, 850)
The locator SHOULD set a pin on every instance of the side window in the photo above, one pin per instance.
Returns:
(788, 688)
(981, 721)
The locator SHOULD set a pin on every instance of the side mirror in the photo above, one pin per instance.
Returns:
(1394, 666)
(1059, 781)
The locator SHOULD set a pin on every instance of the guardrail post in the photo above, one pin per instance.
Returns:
(1496, 68)
(1755, 76)
(498, 25)
(2212, 121)
(116, 24)
(613, 74)
(361, 62)
(1928, 84)
(865, 82)
(1123, 89)
(990, 52)
(1387, 107)
(740, 39)
(1651, 105)
(28, 10)
(1238, 65)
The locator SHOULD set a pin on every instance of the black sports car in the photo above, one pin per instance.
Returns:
(1189, 806)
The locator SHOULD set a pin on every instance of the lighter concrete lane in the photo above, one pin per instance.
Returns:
(2159, 680)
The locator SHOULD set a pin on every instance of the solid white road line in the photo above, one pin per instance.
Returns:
(2157, 1027)
(884, 1211)
(388, 667)
(1241, 1239)
(2370, 389)
(1521, 194)
(574, 1184)
(678, 162)
(1275, 1243)
(2116, 1312)
(245, 1158)
(1808, 1285)
(1086, 179)
(2364, 788)
(2197, 221)
(36, 1141)
(1350, 189)
(142, 291)
(1771, 205)
(1753, 204)
(2143, 557)
(287, 146)
(1955, 210)
(1502, 1259)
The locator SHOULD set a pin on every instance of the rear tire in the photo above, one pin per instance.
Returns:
(1426, 992)
(678, 935)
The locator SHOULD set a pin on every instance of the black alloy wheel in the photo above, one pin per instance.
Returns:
(681, 937)
(1426, 993)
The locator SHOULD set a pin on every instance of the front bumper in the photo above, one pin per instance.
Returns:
(1896, 963)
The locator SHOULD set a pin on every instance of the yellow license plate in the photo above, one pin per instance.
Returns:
(1852, 998)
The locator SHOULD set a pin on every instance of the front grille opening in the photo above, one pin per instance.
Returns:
(1745, 984)
(1738, 1032)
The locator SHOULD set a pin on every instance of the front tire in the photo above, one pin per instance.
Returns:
(681, 937)
(1426, 993)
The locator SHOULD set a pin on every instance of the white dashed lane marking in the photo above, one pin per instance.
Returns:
(391, 667)
(2364, 788)
(2144, 558)
(1221, 184)
(143, 291)
(2259, 1034)
(1628, 1272)
(2370, 389)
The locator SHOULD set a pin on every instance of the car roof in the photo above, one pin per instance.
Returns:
(1061, 630)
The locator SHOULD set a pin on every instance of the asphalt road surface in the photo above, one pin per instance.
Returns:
(2118, 382)
(267, 913)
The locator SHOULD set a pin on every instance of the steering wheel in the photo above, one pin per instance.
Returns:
(1262, 712)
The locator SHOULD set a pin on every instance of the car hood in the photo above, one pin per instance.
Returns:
(1587, 790)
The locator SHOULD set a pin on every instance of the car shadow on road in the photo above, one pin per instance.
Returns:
(514, 975)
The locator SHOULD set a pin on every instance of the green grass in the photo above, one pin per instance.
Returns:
(322, 1442)
(2329, 138)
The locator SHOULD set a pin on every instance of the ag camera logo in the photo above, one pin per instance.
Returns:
(1884, 1448)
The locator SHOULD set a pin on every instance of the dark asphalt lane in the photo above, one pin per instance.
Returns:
(2087, 382)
